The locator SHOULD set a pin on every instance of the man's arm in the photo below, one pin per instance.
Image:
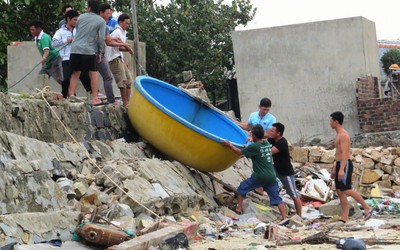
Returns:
(344, 144)
(113, 41)
(244, 125)
(57, 40)
(232, 147)
(46, 52)
(126, 48)
(274, 150)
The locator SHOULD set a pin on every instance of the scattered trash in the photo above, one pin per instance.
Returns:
(375, 223)
(350, 244)
(101, 234)
(315, 189)
(260, 228)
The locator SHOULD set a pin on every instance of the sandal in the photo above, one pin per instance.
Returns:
(368, 215)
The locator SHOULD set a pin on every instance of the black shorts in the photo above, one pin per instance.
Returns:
(80, 62)
(345, 183)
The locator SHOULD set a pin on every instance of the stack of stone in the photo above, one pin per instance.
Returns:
(373, 165)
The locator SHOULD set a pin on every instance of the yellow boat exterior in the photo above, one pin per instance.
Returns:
(175, 139)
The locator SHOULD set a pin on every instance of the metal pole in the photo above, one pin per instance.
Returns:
(136, 55)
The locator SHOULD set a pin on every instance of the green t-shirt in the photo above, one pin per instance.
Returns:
(45, 42)
(263, 166)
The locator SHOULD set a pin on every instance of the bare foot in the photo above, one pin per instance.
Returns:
(368, 214)
(96, 102)
(259, 190)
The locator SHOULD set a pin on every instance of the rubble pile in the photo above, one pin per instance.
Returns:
(373, 166)
(51, 187)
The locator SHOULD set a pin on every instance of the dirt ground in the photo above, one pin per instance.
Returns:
(379, 233)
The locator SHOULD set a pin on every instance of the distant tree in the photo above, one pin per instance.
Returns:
(15, 15)
(390, 57)
(189, 35)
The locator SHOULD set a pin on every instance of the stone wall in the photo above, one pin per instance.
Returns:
(371, 165)
(376, 114)
(33, 118)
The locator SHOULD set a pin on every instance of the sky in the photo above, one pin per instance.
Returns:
(271, 13)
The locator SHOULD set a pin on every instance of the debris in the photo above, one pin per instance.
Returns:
(101, 235)
(315, 189)
(276, 232)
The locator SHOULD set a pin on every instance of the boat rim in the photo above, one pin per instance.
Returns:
(140, 88)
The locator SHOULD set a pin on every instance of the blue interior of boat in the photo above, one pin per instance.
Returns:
(189, 111)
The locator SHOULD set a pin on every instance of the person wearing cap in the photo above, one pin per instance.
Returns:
(393, 78)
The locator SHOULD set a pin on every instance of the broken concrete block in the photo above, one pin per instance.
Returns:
(299, 154)
(80, 189)
(328, 156)
(358, 158)
(387, 159)
(368, 163)
(387, 169)
(395, 188)
(385, 183)
(397, 180)
(373, 154)
(333, 208)
(397, 162)
(228, 213)
(371, 176)
(396, 171)
(395, 151)
(249, 207)
(314, 154)
(120, 210)
(357, 151)
(296, 220)
(90, 200)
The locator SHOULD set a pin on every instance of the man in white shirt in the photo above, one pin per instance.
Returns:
(62, 40)
(118, 67)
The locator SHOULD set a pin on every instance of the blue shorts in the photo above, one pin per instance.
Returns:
(250, 184)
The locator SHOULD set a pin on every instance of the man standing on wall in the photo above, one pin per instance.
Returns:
(62, 40)
(86, 49)
(116, 61)
(51, 60)
(343, 170)
(105, 12)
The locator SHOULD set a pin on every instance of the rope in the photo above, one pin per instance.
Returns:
(88, 156)
(15, 84)
(20, 80)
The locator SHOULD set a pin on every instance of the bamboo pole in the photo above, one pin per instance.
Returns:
(136, 54)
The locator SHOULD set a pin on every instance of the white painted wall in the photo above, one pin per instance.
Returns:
(308, 71)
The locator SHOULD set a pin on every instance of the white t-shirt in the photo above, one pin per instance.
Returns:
(114, 52)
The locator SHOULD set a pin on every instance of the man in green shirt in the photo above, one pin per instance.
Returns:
(263, 170)
(51, 60)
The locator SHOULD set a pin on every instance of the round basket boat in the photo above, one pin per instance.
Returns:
(183, 127)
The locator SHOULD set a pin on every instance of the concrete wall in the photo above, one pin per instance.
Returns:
(23, 58)
(308, 70)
